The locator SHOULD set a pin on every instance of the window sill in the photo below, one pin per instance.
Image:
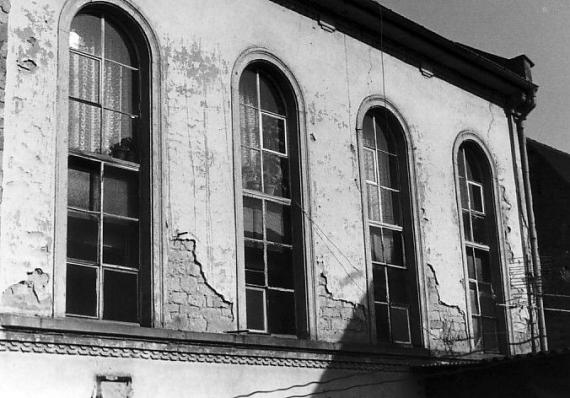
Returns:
(113, 330)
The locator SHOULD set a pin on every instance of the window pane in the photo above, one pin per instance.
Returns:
(388, 170)
(255, 303)
(252, 218)
(281, 312)
(467, 226)
(392, 246)
(390, 206)
(249, 126)
(120, 88)
(269, 96)
(482, 265)
(373, 202)
(120, 242)
(479, 229)
(120, 296)
(486, 299)
(278, 222)
(470, 262)
(84, 127)
(490, 338)
(398, 285)
(251, 169)
(118, 135)
(379, 275)
(474, 300)
(121, 192)
(85, 34)
(276, 175)
(248, 88)
(463, 193)
(400, 324)
(83, 184)
(81, 290)
(461, 162)
(116, 47)
(253, 277)
(476, 195)
(273, 133)
(369, 167)
(477, 331)
(83, 78)
(280, 267)
(254, 263)
(82, 233)
(368, 132)
(376, 245)
(382, 323)
(384, 138)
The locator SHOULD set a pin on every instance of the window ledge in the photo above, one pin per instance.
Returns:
(98, 329)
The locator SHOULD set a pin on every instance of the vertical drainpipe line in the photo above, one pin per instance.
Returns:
(536, 277)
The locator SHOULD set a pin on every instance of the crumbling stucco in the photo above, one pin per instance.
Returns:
(29, 295)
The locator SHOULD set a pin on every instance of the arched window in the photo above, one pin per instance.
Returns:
(384, 165)
(272, 235)
(481, 248)
(108, 198)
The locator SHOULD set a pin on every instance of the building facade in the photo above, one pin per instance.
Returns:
(257, 198)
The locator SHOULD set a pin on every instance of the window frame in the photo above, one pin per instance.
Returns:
(368, 104)
(491, 208)
(151, 314)
(305, 304)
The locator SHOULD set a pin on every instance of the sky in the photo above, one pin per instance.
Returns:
(538, 28)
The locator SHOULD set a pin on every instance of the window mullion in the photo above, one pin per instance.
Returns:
(100, 243)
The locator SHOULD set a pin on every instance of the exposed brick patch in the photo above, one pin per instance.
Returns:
(338, 319)
(192, 304)
(448, 329)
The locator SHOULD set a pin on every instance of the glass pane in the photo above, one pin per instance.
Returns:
(373, 202)
(269, 96)
(463, 193)
(120, 296)
(251, 169)
(476, 195)
(379, 275)
(273, 133)
(470, 262)
(368, 131)
(400, 324)
(248, 88)
(278, 222)
(116, 47)
(252, 218)
(382, 323)
(490, 337)
(249, 126)
(254, 255)
(467, 226)
(85, 34)
(376, 244)
(477, 332)
(118, 135)
(384, 138)
(84, 127)
(473, 170)
(120, 88)
(82, 233)
(81, 290)
(121, 192)
(253, 277)
(392, 246)
(474, 300)
(280, 267)
(461, 162)
(398, 285)
(281, 312)
(388, 170)
(390, 206)
(486, 299)
(482, 266)
(120, 242)
(479, 229)
(83, 78)
(83, 184)
(255, 307)
(276, 175)
(369, 167)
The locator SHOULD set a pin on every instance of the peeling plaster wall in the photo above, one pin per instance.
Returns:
(200, 41)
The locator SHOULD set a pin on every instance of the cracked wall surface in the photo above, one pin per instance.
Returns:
(198, 272)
